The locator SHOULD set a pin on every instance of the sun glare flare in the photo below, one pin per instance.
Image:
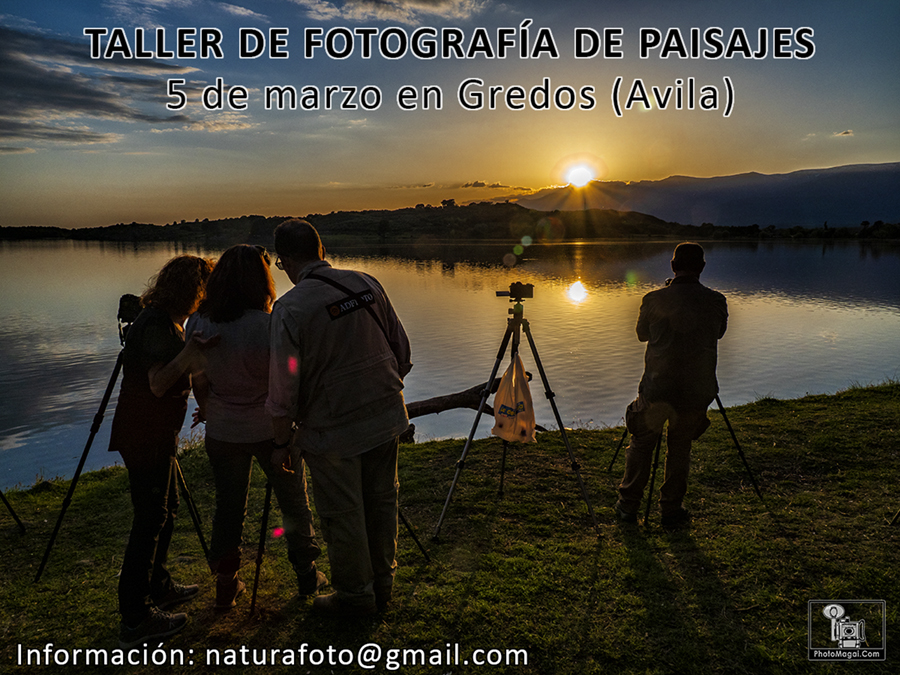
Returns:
(580, 175)
(577, 292)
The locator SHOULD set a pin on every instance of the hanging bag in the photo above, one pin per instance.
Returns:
(513, 410)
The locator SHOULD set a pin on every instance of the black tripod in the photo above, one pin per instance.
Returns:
(129, 308)
(12, 513)
(264, 530)
(514, 326)
(737, 445)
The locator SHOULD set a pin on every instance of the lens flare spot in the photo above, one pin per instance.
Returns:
(277, 532)
(292, 365)
(577, 292)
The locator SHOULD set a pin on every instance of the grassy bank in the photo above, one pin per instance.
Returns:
(527, 571)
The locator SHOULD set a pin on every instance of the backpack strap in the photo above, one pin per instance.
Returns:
(353, 302)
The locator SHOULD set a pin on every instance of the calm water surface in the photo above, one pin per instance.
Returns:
(804, 318)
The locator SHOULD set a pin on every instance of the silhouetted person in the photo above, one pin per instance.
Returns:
(156, 381)
(681, 324)
(339, 356)
(231, 386)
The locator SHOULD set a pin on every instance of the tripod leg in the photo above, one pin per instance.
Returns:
(95, 427)
(484, 397)
(192, 509)
(562, 429)
(738, 446)
(412, 533)
(618, 447)
(652, 479)
(260, 549)
(503, 466)
(12, 513)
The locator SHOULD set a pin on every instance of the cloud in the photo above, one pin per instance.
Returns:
(849, 132)
(494, 186)
(415, 186)
(141, 12)
(54, 88)
(220, 123)
(405, 11)
(243, 12)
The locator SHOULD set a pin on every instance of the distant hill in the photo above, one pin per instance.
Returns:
(446, 222)
(842, 196)
(574, 217)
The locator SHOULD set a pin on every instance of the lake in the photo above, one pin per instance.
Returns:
(804, 318)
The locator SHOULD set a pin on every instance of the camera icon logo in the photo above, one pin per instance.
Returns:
(847, 630)
(846, 633)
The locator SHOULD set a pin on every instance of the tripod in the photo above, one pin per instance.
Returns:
(264, 529)
(514, 326)
(126, 316)
(737, 445)
(12, 513)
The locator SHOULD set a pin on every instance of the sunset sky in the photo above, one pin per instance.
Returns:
(91, 142)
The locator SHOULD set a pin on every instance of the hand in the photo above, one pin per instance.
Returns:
(281, 459)
(198, 417)
(200, 342)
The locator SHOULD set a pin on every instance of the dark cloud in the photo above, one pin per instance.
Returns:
(53, 88)
(494, 186)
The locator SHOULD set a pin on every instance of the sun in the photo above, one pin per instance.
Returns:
(580, 175)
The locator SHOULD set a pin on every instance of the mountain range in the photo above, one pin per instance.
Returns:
(842, 196)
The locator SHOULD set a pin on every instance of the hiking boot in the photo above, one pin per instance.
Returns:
(624, 516)
(383, 597)
(158, 624)
(227, 591)
(331, 605)
(177, 594)
(676, 519)
(310, 580)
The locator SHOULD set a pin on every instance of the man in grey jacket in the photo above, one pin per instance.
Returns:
(338, 358)
(681, 324)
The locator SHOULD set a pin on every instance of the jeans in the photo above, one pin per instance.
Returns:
(154, 496)
(356, 499)
(645, 421)
(232, 464)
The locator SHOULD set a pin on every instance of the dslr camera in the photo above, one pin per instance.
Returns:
(517, 291)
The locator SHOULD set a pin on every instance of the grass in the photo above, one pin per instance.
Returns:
(528, 570)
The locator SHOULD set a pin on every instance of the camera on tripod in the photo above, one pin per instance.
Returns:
(129, 308)
(517, 291)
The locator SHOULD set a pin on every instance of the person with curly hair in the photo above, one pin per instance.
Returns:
(231, 389)
(156, 364)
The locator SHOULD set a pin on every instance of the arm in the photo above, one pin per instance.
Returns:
(200, 384)
(643, 322)
(284, 431)
(396, 335)
(284, 381)
(164, 375)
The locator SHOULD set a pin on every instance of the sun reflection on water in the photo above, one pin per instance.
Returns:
(577, 293)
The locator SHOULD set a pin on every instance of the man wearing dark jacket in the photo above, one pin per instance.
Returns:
(681, 324)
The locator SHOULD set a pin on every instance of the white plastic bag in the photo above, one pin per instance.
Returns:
(513, 411)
